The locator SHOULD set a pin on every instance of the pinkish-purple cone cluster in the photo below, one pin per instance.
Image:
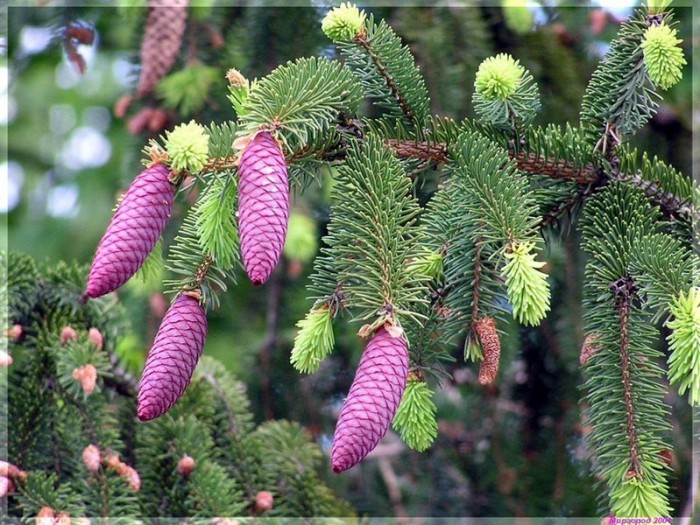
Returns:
(172, 358)
(374, 397)
(263, 206)
(133, 231)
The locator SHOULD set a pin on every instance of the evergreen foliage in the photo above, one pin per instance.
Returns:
(138, 474)
(441, 270)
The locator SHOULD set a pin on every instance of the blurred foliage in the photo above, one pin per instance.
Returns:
(511, 449)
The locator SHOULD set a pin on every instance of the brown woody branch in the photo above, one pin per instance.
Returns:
(624, 291)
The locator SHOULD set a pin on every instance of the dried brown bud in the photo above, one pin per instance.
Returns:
(490, 341)
(68, 334)
(264, 501)
(236, 79)
(92, 458)
(95, 337)
(666, 457)
(589, 348)
(186, 465)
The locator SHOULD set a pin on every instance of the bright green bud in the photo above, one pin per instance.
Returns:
(188, 147)
(415, 418)
(428, 265)
(658, 6)
(527, 286)
(314, 341)
(498, 77)
(663, 57)
(343, 23)
(301, 244)
(684, 343)
(517, 16)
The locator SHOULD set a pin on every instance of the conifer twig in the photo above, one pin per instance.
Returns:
(365, 44)
(624, 291)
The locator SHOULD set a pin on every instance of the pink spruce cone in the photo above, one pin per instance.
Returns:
(172, 357)
(374, 397)
(133, 231)
(263, 206)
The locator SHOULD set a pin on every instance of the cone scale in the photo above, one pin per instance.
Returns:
(372, 402)
(263, 206)
(172, 358)
(133, 231)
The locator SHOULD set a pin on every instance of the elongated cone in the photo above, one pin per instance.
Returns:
(263, 206)
(172, 358)
(372, 402)
(133, 231)
(162, 39)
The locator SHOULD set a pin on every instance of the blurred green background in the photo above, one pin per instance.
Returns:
(513, 449)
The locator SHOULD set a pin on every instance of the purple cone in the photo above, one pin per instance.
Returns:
(374, 397)
(172, 358)
(133, 231)
(263, 206)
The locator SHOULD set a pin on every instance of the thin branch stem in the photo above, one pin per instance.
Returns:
(365, 44)
(624, 290)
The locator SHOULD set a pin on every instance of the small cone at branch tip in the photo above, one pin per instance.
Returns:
(6, 486)
(133, 479)
(263, 206)
(5, 359)
(62, 518)
(87, 375)
(45, 516)
(264, 501)
(112, 461)
(186, 465)
(372, 402)
(15, 332)
(172, 358)
(490, 341)
(68, 334)
(133, 231)
(95, 337)
(92, 458)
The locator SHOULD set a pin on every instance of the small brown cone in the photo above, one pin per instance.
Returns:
(264, 501)
(186, 465)
(95, 337)
(161, 42)
(485, 329)
(68, 334)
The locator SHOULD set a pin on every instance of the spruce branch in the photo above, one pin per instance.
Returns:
(624, 292)
(387, 70)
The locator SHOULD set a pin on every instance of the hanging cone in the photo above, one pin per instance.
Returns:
(372, 402)
(161, 42)
(133, 231)
(263, 206)
(172, 358)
